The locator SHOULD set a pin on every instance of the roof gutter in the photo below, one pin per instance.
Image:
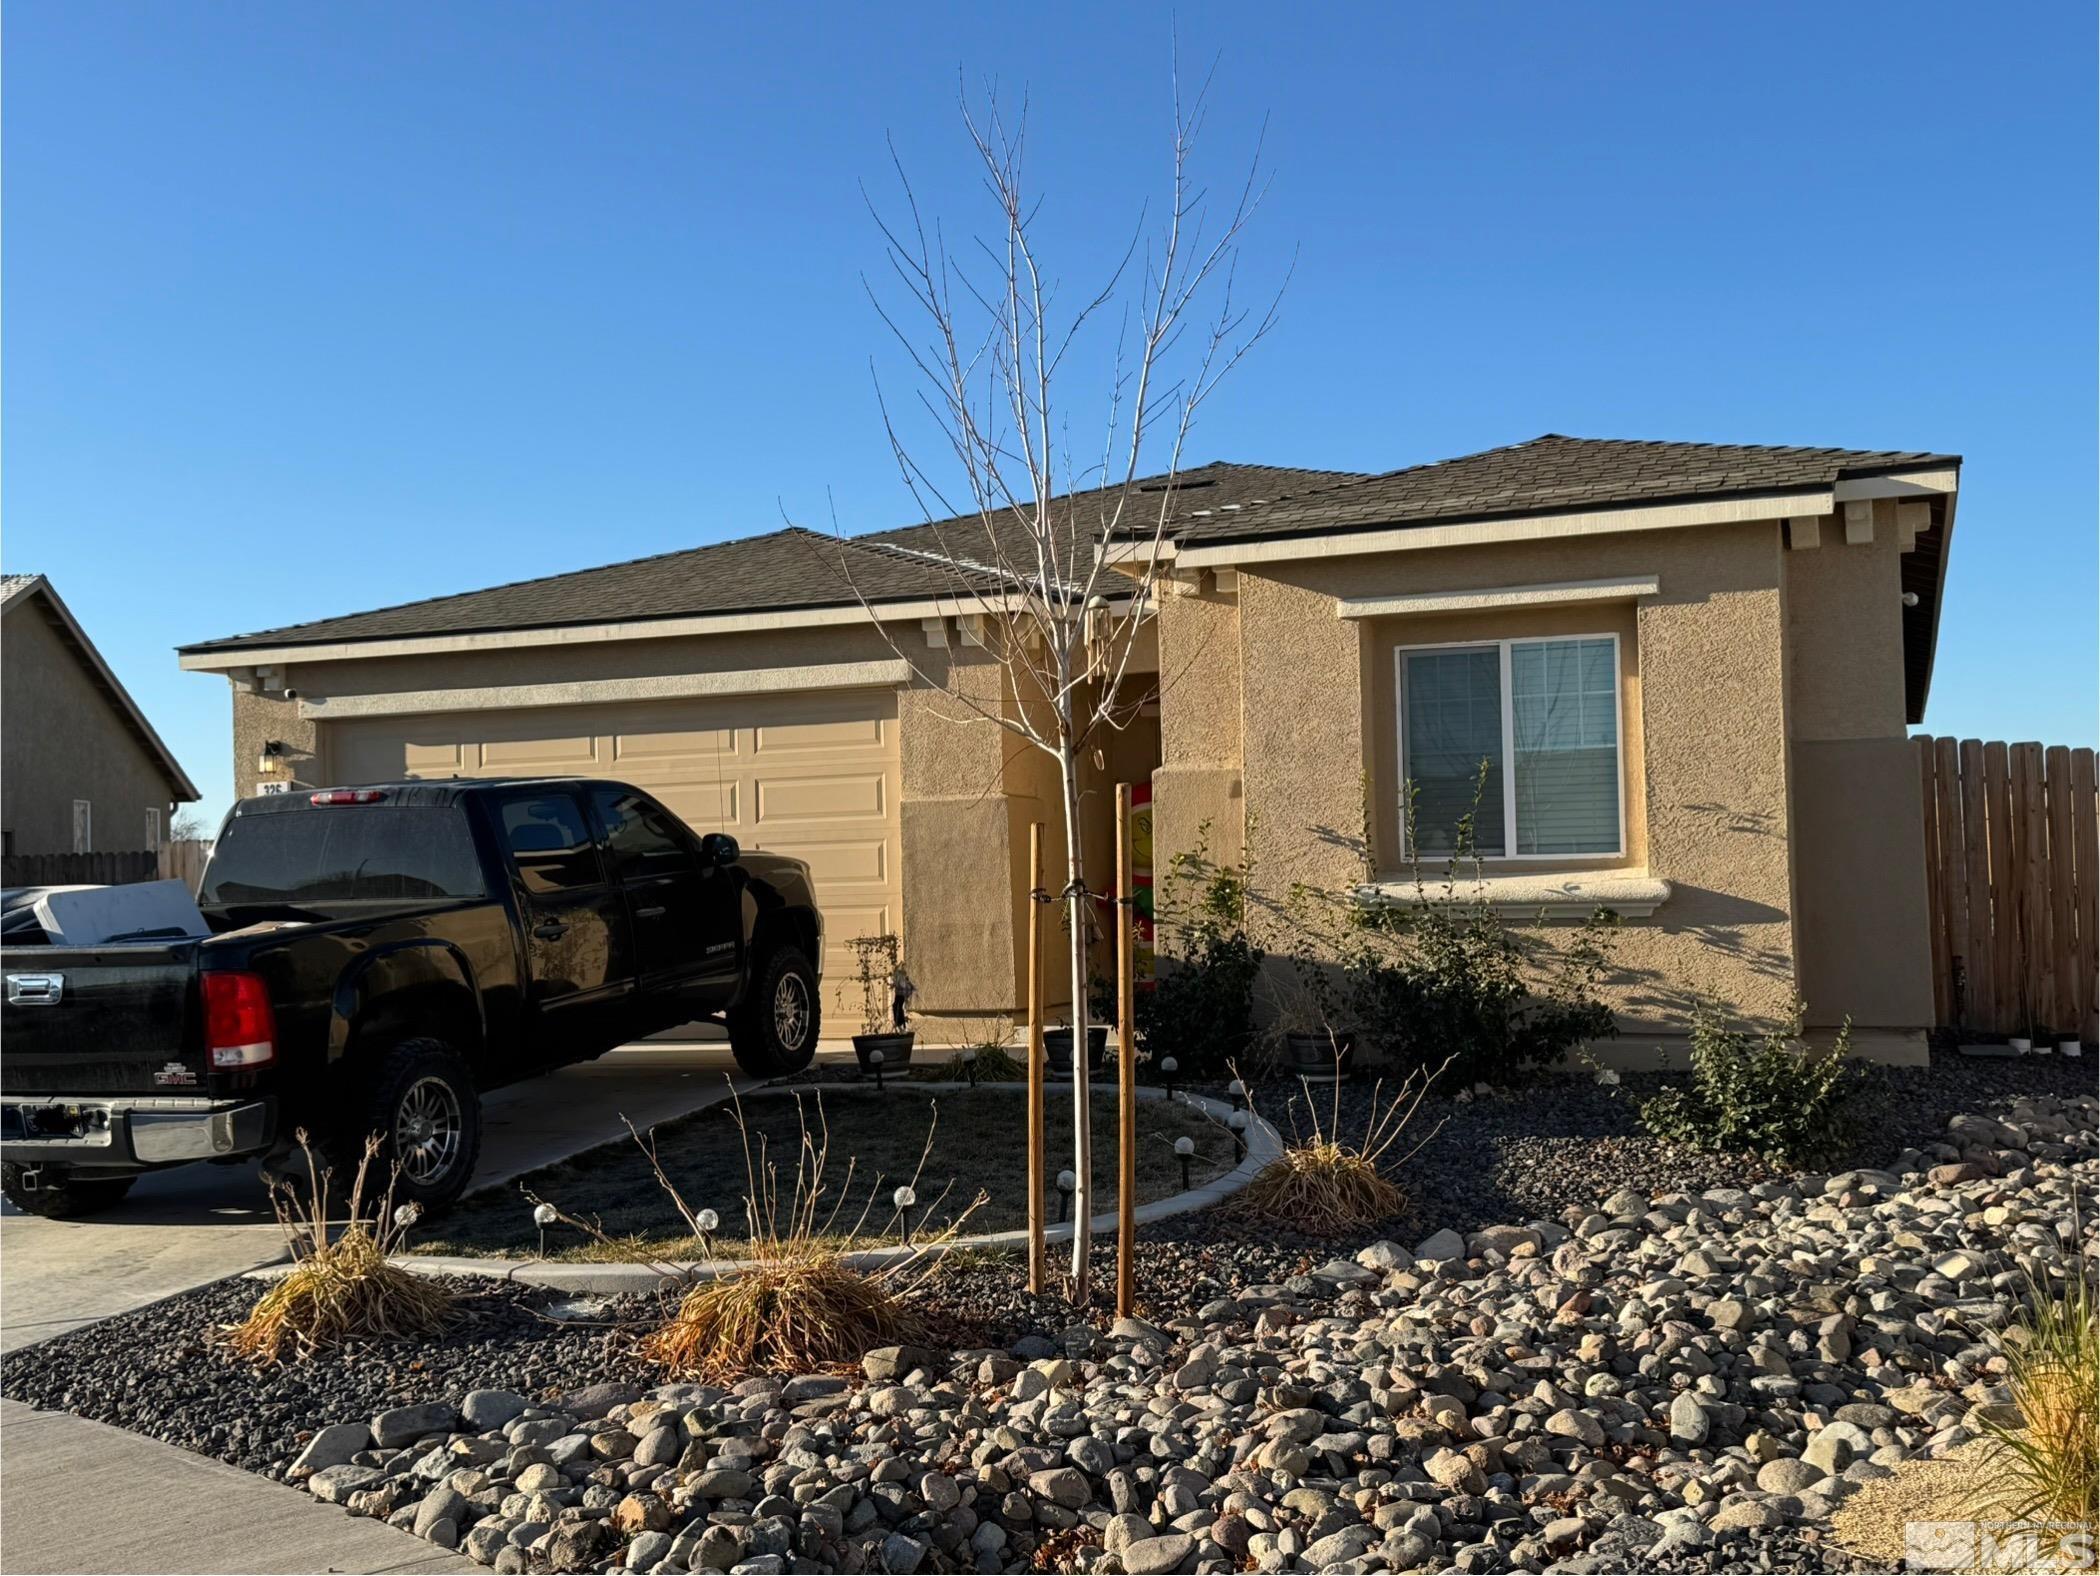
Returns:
(225, 659)
(1204, 553)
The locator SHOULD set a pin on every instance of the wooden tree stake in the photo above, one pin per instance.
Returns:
(1126, 1068)
(1037, 1254)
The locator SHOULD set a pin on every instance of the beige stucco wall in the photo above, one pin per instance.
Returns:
(64, 741)
(1198, 793)
(1859, 845)
(1762, 725)
(1707, 749)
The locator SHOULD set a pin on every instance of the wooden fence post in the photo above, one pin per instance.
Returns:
(1936, 874)
(1037, 1254)
(2061, 876)
(2085, 841)
(1126, 1067)
(1983, 953)
(2005, 908)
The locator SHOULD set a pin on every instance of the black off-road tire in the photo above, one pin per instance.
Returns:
(62, 1197)
(410, 1078)
(773, 1031)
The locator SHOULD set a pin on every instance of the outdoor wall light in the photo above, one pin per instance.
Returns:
(272, 757)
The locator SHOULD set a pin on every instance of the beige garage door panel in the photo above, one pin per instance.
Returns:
(814, 776)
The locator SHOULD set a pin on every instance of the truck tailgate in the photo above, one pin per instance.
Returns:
(114, 1020)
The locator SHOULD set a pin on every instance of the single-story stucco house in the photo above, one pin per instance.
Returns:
(81, 769)
(1690, 665)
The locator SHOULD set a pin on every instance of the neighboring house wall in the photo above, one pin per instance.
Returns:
(64, 742)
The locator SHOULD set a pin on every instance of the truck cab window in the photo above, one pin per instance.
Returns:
(550, 844)
(641, 836)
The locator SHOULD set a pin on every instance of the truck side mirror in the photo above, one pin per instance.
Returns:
(718, 848)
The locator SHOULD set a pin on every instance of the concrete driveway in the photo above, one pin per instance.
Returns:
(200, 1223)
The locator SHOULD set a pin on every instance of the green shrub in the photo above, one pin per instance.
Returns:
(1767, 1095)
(1200, 1008)
(1453, 980)
(1442, 978)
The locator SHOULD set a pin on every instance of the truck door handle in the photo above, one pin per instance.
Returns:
(649, 913)
(550, 930)
(38, 990)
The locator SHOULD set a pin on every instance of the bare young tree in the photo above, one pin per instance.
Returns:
(1055, 562)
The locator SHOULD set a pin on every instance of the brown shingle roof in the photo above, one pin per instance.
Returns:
(790, 568)
(782, 570)
(1545, 475)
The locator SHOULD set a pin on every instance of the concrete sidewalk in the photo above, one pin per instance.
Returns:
(181, 1512)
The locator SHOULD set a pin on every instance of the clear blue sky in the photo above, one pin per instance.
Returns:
(311, 308)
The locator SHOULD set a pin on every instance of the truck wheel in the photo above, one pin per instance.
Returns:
(421, 1102)
(58, 1196)
(774, 1030)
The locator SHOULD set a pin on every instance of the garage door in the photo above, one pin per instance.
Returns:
(814, 776)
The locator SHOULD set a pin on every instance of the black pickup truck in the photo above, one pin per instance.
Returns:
(378, 956)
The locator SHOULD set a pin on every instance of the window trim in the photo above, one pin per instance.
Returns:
(1502, 647)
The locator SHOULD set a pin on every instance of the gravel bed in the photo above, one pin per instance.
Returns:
(1556, 1172)
(157, 1372)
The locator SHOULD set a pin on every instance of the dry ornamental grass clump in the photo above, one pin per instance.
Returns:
(341, 1287)
(1324, 1182)
(2049, 1457)
(795, 1304)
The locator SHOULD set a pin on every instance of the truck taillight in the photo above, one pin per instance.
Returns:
(240, 1030)
(347, 796)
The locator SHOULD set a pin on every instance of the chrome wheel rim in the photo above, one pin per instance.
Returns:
(790, 1012)
(427, 1129)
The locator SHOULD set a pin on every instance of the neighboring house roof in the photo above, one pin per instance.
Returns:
(1546, 475)
(782, 570)
(21, 593)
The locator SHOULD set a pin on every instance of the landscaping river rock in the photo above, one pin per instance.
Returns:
(1676, 1381)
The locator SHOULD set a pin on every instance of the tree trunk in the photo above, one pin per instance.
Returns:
(1082, 1098)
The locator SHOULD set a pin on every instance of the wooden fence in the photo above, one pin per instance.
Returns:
(182, 860)
(2012, 878)
(110, 869)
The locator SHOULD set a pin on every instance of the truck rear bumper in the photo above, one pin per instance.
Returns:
(131, 1134)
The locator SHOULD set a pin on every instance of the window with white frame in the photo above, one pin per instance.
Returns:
(152, 826)
(1520, 735)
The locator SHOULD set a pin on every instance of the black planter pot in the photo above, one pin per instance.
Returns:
(1057, 1050)
(1319, 1057)
(895, 1048)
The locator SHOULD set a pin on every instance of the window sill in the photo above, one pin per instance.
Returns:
(1556, 894)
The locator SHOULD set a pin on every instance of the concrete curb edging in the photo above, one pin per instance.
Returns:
(1264, 1144)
